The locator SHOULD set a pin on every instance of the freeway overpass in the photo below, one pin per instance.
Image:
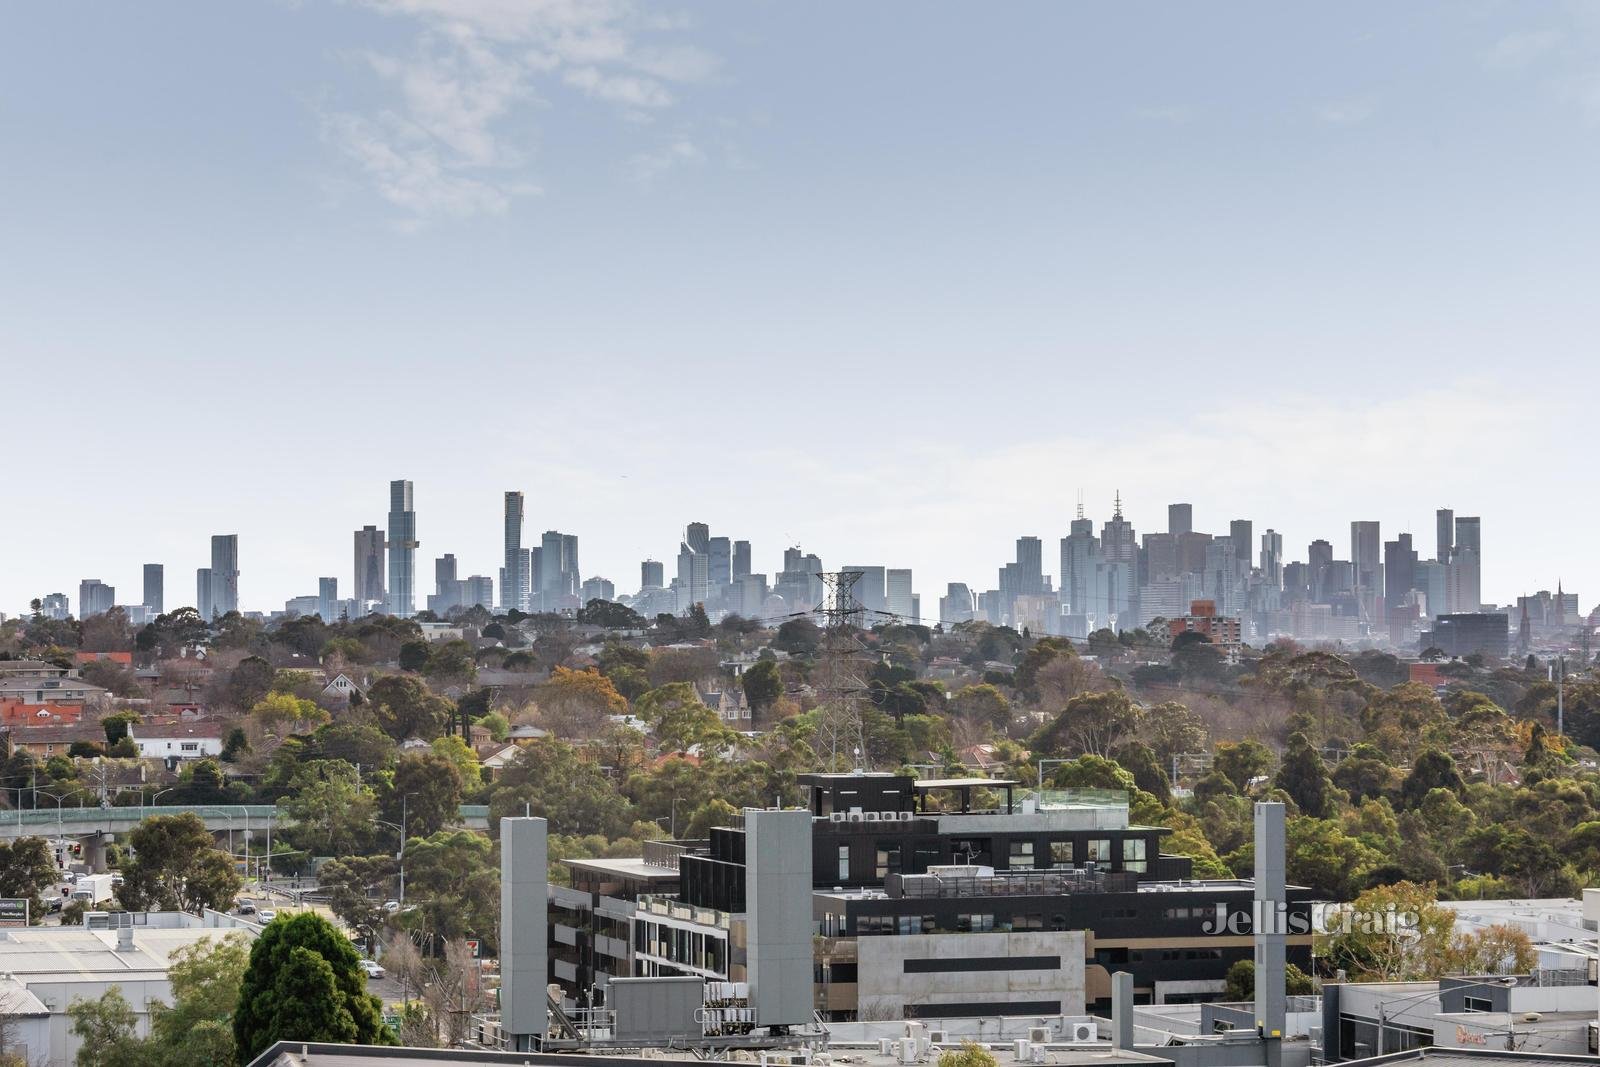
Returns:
(219, 818)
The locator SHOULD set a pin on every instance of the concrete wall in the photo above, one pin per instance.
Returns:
(524, 912)
(886, 989)
(778, 915)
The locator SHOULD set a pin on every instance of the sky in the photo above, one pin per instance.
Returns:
(895, 282)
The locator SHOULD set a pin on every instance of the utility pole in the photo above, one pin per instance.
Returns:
(1561, 696)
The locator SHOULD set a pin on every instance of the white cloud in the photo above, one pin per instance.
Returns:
(448, 143)
(1517, 50)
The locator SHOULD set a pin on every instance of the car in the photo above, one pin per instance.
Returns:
(391, 906)
(266, 915)
(372, 969)
(246, 908)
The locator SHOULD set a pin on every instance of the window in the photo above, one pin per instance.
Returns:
(1133, 854)
(844, 863)
(888, 860)
(190, 746)
(1061, 853)
(1478, 1004)
(1097, 853)
(1021, 855)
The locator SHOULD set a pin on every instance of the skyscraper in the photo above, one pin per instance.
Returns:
(720, 567)
(368, 585)
(1444, 526)
(741, 560)
(402, 545)
(224, 573)
(1242, 531)
(1399, 571)
(897, 582)
(1180, 518)
(1319, 557)
(203, 600)
(652, 575)
(1467, 563)
(697, 535)
(328, 599)
(95, 597)
(1366, 558)
(1080, 555)
(1272, 558)
(513, 582)
(154, 588)
(1029, 578)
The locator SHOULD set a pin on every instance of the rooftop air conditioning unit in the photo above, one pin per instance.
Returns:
(1085, 1032)
(855, 816)
(908, 1050)
(1038, 1053)
(1020, 1049)
(836, 816)
(1039, 1035)
(938, 1037)
(907, 816)
(885, 1046)
(872, 816)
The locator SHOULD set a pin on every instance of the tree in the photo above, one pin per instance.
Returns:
(413, 656)
(1304, 778)
(236, 744)
(1241, 762)
(1432, 770)
(176, 867)
(983, 704)
(451, 661)
(763, 685)
(1171, 729)
(248, 682)
(196, 1030)
(281, 713)
(1241, 981)
(104, 1028)
(27, 869)
(458, 752)
(304, 983)
(1094, 723)
(404, 708)
(349, 881)
(970, 1054)
(679, 719)
(798, 637)
(551, 779)
(1392, 933)
(431, 786)
(331, 809)
(116, 725)
(454, 875)
(578, 703)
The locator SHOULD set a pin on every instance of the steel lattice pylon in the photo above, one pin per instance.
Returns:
(839, 720)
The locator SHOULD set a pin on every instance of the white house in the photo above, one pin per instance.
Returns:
(177, 741)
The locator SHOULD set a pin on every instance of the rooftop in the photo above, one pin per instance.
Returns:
(624, 868)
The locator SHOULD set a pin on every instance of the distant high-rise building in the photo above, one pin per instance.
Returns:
(1242, 531)
(155, 581)
(95, 598)
(899, 595)
(368, 585)
(1158, 558)
(741, 560)
(1319, 556)
(1180, 518)
(513, 582)
(1445, 532)
(1029, 579)
(328, 599)
(598, 589)
(402, 547)
(54, 606)
(1432, 579)
(1119, 548)
(1080, 556)
(477, 591)
(798, 583)
(552, 565)
(1272, 558)
(720, 566)
(1366, 556)
(956, 605)
(1399, 571)
(652, 575)
(697, 535)
(872, 593)
(446, 586)
(224, 574)
(1467, 561)
(203, 598)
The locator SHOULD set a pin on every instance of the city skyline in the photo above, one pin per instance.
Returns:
(1113, 539)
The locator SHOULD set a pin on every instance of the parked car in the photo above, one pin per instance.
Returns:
(266, 915)
(246, 908)
(372, 969)
(391, 906)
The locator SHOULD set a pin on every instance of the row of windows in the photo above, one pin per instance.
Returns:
(1099, 852)
(682, 946)
(978, 922)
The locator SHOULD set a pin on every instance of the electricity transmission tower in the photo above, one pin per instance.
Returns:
(840, 728)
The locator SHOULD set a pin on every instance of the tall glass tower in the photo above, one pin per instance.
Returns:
(402, 550)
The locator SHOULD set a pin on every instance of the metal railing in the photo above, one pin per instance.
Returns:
(999, 884)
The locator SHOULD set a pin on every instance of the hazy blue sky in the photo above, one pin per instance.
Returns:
(892, 281)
